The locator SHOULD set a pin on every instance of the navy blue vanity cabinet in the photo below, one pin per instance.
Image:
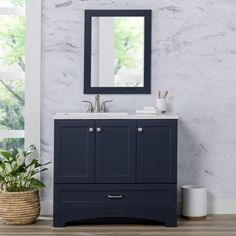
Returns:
(74, 151)
(156, 151)
(115, 151)
(117, 169)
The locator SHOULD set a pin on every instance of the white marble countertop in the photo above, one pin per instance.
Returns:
(113, 115)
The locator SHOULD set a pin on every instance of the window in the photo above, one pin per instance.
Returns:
(18, 105)
(12, 73)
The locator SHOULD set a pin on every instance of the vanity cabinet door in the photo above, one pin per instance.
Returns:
(74, 151)
(156, 151)
(115, 151)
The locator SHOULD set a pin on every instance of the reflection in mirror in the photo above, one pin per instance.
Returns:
(117, 51)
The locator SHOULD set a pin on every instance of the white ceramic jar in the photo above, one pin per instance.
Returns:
(161, 105)
(194, 202)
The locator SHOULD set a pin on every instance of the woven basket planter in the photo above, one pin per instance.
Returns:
(19, 208)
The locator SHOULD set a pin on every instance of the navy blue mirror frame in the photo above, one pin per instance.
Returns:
(88, 89)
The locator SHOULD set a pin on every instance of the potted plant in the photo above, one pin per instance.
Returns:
(19, 188)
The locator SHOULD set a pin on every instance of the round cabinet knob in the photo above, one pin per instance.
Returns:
(99, 130)
(140, 130)
(91, 130)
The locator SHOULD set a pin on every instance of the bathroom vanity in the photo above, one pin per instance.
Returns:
(117, 166)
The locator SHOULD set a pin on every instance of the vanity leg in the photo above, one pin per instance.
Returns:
(59, 223)
(171, 223)
(171, 219)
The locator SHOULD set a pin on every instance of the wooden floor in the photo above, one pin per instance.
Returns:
(218, 225)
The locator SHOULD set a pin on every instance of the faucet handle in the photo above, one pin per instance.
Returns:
(103, 107)
(90, 108)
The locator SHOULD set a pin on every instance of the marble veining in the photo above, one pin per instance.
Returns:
(193, 56)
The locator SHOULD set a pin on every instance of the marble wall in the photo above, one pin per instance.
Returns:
(193, 56)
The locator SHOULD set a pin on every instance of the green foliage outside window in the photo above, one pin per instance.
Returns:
(20, 3)
(129, 40)
(12, 48)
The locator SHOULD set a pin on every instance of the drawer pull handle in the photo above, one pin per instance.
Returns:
(114, 196)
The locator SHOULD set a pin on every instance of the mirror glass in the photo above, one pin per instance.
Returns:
(117, 51)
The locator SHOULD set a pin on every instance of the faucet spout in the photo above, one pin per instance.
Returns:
(97, 106)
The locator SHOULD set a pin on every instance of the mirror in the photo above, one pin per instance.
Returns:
(117, 51)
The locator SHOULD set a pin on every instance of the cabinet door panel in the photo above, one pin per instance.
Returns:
(74, 151)
(115, 151)
(157, 151)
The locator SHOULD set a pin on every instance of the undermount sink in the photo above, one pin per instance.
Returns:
(97, 114)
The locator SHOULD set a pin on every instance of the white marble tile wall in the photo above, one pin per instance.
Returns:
(193, 55)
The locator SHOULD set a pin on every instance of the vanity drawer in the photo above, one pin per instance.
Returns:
(118, 195)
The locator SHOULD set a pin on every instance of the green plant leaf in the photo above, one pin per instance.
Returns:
(36, 184)
(38, 171)
(5, 154)
(32, 148)
(2, 166)
(18, 171)
(30, 156)
(16, 174)
(44, 164)
(33, 162)
(14, 152)
(8, 167)
(20, 158)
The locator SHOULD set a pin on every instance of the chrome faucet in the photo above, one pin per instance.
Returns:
(97, 107)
